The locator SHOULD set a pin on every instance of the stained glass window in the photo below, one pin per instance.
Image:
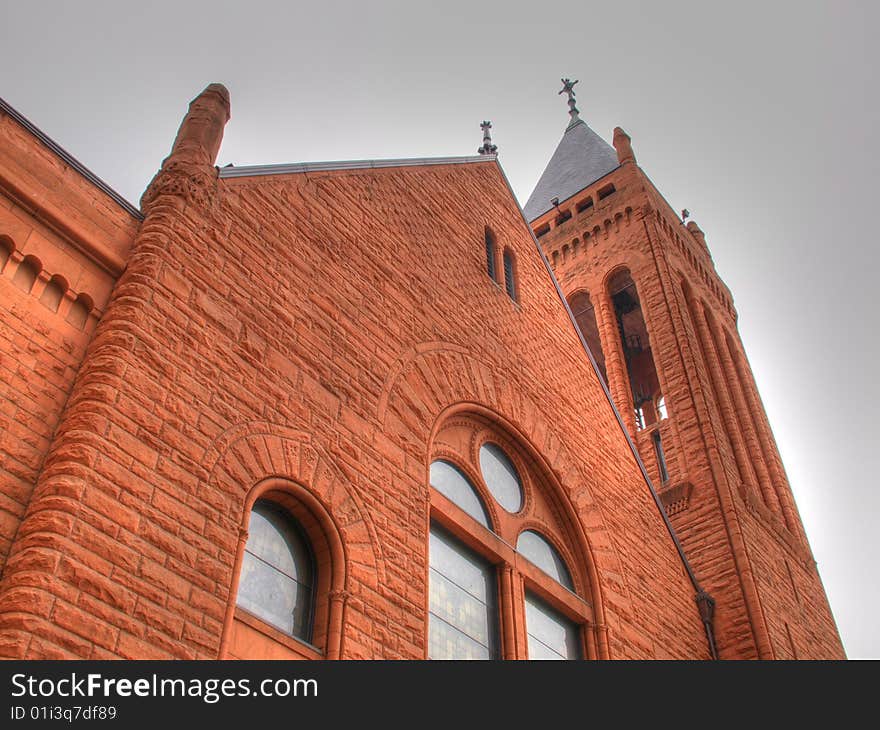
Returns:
(277, 571)
(540, 552)
(501, 477)
(452, 484)
(462, 622)
(551, 635)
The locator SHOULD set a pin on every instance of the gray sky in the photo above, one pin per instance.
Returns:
(756, 116)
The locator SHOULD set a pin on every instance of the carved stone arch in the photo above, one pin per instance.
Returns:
(622, 263)
(256, 459)
(567, 489)
(247, 455)
(435, 380)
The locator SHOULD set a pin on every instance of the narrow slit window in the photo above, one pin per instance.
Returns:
(644, 380)
(661, 457)
(510, 274)
(490, 256)
(585, 315)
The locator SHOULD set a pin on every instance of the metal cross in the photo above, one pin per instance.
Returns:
(488, 148)
(568, 88)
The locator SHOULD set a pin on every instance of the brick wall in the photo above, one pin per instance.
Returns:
(62, 244)
(315, 328)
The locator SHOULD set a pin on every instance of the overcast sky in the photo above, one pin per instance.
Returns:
(758, 117)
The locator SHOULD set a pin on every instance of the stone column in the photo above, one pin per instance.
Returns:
(615, 363)
(745, 417)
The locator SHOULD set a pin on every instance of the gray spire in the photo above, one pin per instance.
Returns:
(488, 148)
(581, 158)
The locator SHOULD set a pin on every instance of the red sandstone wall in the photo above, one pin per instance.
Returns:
(316, 326)
(68, 229)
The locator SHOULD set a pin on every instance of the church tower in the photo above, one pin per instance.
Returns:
(662, 329)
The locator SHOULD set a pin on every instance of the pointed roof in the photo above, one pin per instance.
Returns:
(581, 158)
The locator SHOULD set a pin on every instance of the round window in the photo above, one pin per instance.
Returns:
(501, 477)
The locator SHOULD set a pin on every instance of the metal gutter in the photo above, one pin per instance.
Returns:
(70, 160)
(301, 167)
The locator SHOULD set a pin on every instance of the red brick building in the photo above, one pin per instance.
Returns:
(342, 410)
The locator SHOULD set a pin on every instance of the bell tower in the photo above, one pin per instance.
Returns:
(662, 328)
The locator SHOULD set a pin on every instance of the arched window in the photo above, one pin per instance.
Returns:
(277, 572)
(449, 481)
(490, 256)
(538, 550)
(488, 495)
(510, 274)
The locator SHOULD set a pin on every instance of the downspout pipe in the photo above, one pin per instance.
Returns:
(705, 602)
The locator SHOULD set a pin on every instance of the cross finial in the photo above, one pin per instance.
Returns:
(568, 88)
(488, 148)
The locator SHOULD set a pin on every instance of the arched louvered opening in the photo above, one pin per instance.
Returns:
(643, 378)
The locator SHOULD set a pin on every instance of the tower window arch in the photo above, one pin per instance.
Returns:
(510, 575)
(641, 370)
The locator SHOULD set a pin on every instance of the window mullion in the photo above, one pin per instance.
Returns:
(508, 612)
